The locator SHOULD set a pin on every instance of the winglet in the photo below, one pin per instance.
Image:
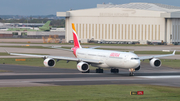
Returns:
(7, 51)
(174, 52)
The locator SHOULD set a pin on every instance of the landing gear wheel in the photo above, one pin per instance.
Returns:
(131, 74)
(99, 70)
(114, 70)
(87, 71)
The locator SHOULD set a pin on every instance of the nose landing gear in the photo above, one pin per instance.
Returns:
(131, 72)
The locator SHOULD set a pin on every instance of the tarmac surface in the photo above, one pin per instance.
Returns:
(23, 76)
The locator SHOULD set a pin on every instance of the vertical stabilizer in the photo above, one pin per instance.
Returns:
(47, 24)
(75, 37)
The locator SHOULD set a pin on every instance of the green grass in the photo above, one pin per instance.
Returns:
(90, 93)
(172, 63)
(37, 47)
(3, 54)
(6, 54)
(3, 71)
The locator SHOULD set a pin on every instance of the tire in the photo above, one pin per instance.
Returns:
(99, 70)
(131, 74)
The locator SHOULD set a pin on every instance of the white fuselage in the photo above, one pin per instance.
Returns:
(111, 59)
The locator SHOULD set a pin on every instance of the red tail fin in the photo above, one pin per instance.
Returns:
(75, 37)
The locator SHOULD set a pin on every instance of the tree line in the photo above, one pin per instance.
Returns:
(59, 23)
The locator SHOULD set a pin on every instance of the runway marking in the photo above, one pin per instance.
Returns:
(157, 77)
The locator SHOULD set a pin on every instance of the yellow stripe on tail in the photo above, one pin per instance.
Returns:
(73, 27)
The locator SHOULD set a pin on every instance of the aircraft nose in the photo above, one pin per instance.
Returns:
(137, 63)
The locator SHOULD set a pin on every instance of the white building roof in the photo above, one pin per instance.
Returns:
(155, 10)
(143, 6)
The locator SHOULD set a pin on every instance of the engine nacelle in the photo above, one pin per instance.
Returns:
(49, 62)
(155, 62)
(138, 68)
(83, 66)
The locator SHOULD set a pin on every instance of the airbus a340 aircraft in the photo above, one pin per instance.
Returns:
(113, 60)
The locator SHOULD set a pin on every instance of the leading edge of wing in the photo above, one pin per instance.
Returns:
(94, 47)
(58, 47)
(58, 57)
(156, 56)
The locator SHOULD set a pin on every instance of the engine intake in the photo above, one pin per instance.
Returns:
(49, 62)
(83, 66)
(155, 62)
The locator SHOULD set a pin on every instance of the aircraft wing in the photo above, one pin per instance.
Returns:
(59, 58)
(58, 47)
(156, 56)
(94, 47)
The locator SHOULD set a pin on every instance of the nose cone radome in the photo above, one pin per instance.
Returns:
(136, 63)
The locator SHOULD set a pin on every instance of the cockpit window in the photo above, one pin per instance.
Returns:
(134, 58)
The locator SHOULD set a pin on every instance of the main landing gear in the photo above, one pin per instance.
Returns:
(114, 70)
(131, 72)
(99, 70)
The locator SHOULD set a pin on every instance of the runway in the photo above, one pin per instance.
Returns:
(22, 76)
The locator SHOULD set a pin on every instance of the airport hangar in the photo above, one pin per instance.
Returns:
(125, 22)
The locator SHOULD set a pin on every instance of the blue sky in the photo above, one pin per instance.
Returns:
(46, 7)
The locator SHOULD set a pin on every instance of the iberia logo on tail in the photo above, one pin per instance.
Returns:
(75, 37)
(76, 40)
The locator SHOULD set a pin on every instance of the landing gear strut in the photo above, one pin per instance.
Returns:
(114, 70)
(131, 72)
(99, 70)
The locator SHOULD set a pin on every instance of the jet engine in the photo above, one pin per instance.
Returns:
(138, 68)
(155, 62)
(83, 66)
(49, 62)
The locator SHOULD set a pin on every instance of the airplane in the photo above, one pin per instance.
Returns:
(113, 60)
(45, 27)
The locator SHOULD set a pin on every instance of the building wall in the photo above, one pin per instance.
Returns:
(116, 24)
(173, 30)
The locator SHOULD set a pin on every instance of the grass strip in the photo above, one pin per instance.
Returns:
(6, 54)
(90, 93)
(37, 47)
